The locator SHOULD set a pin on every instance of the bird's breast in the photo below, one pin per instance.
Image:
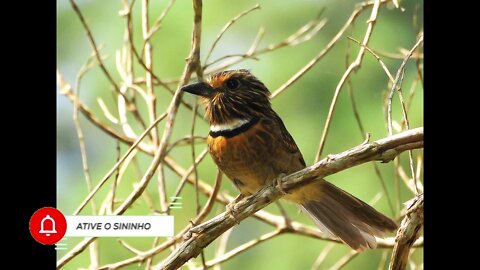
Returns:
(244, 158)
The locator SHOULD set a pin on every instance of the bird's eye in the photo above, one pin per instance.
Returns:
(232, 84)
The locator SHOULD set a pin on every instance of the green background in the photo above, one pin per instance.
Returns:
(303, 107)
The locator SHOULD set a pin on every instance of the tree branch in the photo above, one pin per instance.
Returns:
(382, 150)
(407, 234)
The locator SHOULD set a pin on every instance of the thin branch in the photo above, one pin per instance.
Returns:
(115, 182)
(195, 171)
(225, 28)
(409, 182)
(322, 256)
(357, 11)
(211, 200)
(238, 250)
(93, 44)
(411, 94)
(149, 262)
(383, 260)
(66, 90)
(222, 247)
(407, 234)
(79, 248)
(396, 84)
(106, 112)
(419, 71)
(81, 140)
(128, 247)
(305, 33)
(400, 56)
(188, 140)
(128, 14)
(376, 57)
(344, 260)
(158, 22)
(151, 101)
(353, 66)
(366, 136)
(201, 236)
(162, 189)
(115, 167)
(180, 186)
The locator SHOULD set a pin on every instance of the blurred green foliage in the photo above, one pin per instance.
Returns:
(303, 108)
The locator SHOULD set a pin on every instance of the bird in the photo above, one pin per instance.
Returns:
(250, 144)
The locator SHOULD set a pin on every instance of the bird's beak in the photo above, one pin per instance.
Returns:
(199, 89)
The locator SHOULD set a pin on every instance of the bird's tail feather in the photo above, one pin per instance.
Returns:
(340, 214)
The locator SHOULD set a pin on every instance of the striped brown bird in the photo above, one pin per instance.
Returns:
(250, 144)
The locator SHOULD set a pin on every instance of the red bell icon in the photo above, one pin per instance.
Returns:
(48, 225)
(45, 229)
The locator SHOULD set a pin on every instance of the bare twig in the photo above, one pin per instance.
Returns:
(238, 250)
(128, 247)
(180, 186)
(195, 171)
(83, 152)
(115, 182)
(222, 247)
(66, 89)
(376, 57)
(208, 206)
(305, 33)
(357, 11)
(225, 28)
(397, 87)
(114, 168)
(128, 13)
(383, 260)
(399, 56)
(94, 46)
(158, 22)
(344, 260)
(366, 137)
(353, 66)
(396, 84)
(151, 101)
(106, 112)
(321, 257)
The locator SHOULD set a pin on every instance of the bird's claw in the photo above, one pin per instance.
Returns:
(231, 208)
(278, 183)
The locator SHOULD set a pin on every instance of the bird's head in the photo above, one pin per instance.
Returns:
(232, 95)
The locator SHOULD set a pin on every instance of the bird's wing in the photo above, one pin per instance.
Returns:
(287, 141)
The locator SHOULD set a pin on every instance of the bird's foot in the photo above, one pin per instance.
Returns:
(278, 183)
(231, 207)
